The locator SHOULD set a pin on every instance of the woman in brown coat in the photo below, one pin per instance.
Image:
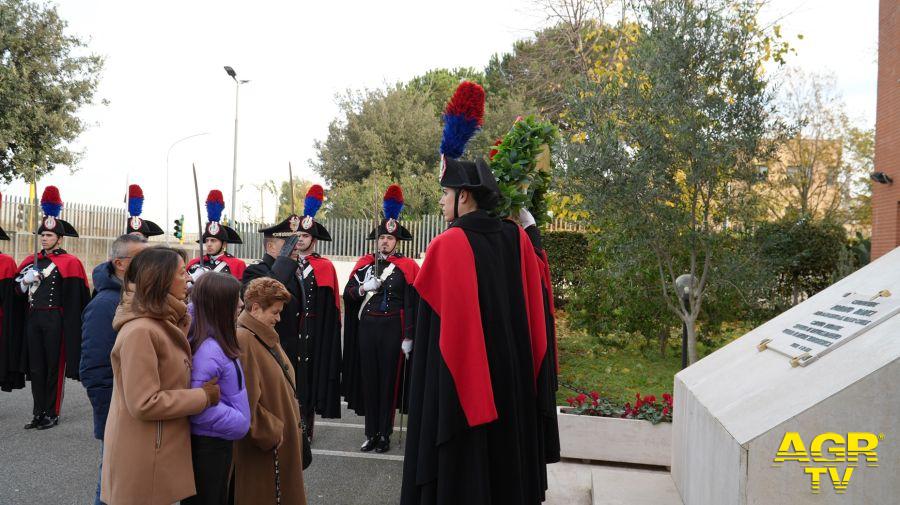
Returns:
(147, 442)
(274, 411)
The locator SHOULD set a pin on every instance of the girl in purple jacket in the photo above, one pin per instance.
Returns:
(216, 302)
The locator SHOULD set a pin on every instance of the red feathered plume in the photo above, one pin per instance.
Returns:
(215, 196)
(51, 195)
(467, 101)
(316, 192)
(135, 191)
(394, 192)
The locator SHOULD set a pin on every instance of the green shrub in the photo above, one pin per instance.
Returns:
(567, 251)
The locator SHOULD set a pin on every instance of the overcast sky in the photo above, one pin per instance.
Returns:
(164, 80)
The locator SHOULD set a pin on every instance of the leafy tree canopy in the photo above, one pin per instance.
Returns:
(46, 76)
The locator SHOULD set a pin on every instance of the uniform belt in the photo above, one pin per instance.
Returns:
(45, 309)
(382, 314)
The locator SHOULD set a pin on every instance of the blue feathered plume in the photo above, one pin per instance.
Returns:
(51, 203)
(215, 204)
(393, 202)
(135, 200)
(313, 200)
(463, 117)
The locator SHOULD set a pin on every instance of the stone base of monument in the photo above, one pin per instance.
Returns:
(626, 486)
(614, 440)
(575, 483)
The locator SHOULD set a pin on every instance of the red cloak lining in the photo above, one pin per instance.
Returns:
(453, 295)
(406, 265)
(69, 266)
(534, 301)
(7, 267)
(548, 284)
(236, 266)
(323, 269)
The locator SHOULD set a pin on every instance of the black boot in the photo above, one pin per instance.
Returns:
(382, 444)
(369, 445)
(48, 422)
(35, 422)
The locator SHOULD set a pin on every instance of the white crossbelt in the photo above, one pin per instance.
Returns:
(221, 266)
(46, 272)
(388, 270)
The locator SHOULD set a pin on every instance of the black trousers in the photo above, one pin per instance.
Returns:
(46, 360)
(212, 465)
(379, 352)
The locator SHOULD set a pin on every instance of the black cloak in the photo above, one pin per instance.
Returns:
(475, 428)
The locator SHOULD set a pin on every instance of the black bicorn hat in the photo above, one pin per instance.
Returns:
(52, 204)
(315, 196)
(215, 204)
(390, 225)
(294, 224)
(286, 228)
(135, 223)
(474, 176)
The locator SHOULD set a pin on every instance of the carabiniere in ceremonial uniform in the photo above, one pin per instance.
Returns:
(379, 317)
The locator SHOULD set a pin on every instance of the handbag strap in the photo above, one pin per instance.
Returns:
(284, 370)
(281, 364)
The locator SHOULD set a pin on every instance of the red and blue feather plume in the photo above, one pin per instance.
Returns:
(313, 200)
(51, 203)
(215, 204)
(393, 202)
(135, 200)
(463, 117)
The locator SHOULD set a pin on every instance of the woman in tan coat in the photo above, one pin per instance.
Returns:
(275, 413)
(147, 442)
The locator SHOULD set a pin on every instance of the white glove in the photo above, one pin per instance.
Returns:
(406, 346)
(31, 276)
(196, 274)
(525, 218)
(371, 283)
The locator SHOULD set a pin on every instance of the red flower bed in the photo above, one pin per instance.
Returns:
(647, 407)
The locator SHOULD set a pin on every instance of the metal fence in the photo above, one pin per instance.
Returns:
(99, 225)
(348, 238)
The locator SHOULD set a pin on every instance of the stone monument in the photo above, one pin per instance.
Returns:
(803, 409)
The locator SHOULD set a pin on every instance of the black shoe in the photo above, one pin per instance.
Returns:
(369, 445)
(382, 444)
(35, 422)
(48, 422)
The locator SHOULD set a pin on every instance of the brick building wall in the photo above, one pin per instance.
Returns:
(886, 198)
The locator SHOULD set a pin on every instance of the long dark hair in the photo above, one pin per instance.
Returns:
(150, 275)
(215, 297)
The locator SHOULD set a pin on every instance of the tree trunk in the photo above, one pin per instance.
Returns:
(795, 294)
(692, 340)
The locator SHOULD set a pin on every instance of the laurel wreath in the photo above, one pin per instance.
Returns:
(522, 164)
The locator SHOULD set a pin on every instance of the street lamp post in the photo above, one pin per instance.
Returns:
(237, 87)
(167, 174)
(685, 286)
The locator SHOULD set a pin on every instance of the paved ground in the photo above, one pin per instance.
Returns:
(59, 466)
